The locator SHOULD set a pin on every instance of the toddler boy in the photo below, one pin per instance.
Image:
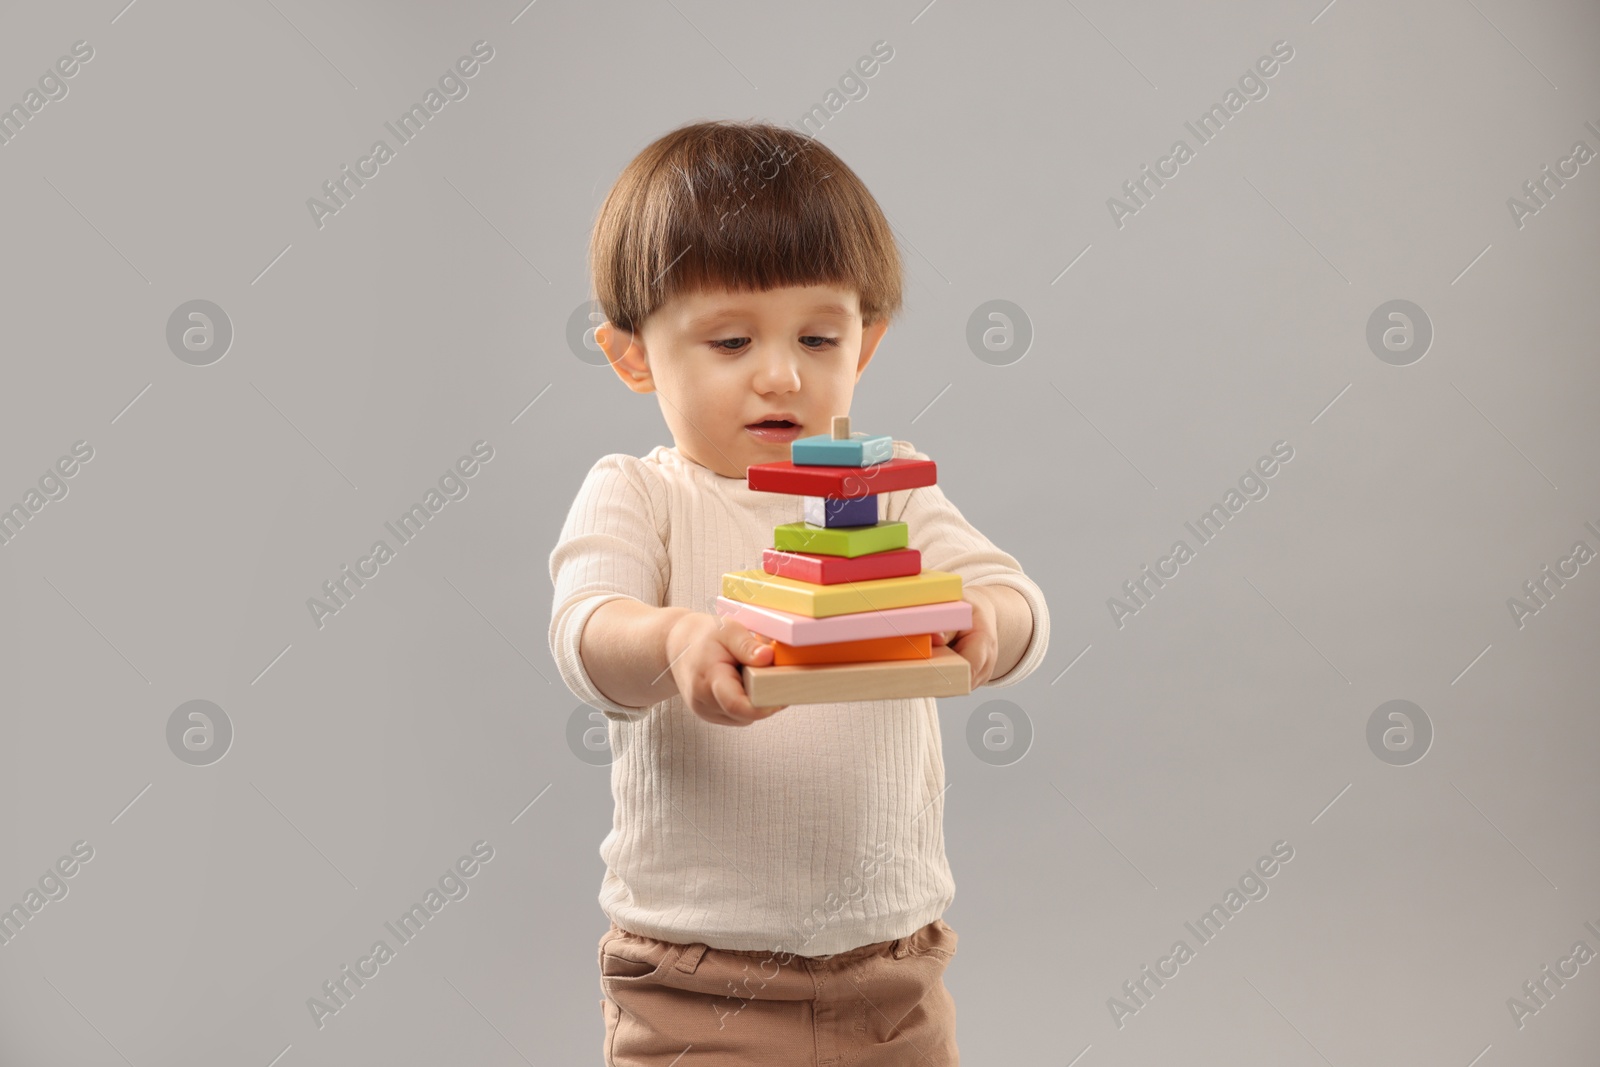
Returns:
(775, 877)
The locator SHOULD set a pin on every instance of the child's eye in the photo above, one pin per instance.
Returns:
(734, 345)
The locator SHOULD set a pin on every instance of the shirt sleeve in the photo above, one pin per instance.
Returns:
(612, 545)
(948, 542)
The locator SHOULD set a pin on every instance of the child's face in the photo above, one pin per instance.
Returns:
(721, 360)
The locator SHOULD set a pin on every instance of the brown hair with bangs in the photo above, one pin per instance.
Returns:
(744, 206)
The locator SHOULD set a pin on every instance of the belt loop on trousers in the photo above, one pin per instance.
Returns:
(901, 947)
(691, 958)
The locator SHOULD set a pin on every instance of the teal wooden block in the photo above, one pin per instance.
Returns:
(857, 450)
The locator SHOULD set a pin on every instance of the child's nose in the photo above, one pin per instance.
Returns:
(778, 370)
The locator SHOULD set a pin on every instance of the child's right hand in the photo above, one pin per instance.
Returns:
(704, 653)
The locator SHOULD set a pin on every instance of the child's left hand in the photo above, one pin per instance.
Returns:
(979, 645)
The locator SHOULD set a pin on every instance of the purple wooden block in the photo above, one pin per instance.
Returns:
(831, 511)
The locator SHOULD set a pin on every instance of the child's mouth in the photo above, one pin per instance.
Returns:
(781, 431)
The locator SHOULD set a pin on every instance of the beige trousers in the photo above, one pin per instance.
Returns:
(874, 1006)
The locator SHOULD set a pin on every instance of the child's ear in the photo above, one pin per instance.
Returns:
(870, 336)
(625, 352)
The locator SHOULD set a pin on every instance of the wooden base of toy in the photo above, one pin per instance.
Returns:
(944, 674)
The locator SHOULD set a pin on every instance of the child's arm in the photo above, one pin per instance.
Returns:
(612, 551)
(617, 646)
(1013, 623)
(624, 650)
(643, 655)
(991, 579)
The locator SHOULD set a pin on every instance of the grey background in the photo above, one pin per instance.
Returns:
(1167, 756)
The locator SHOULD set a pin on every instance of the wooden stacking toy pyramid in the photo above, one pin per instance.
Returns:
(846, 605)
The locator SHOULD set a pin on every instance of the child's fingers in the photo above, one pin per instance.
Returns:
(734, 701)
(723, 698)
(728, 690)
(747, 647)
(707, 704)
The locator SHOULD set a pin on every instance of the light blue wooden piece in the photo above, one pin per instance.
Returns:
(857, 450)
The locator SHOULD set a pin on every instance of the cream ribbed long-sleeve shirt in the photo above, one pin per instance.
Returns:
(813, 831)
